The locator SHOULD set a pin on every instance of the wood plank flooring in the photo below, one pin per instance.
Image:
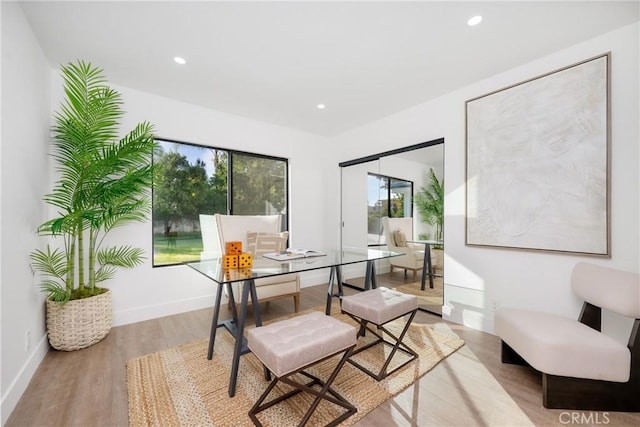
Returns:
(470, 388)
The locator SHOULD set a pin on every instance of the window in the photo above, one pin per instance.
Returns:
(193, 179)
(387, 196)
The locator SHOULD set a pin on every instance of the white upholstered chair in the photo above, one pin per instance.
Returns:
(218, 229)
(582, 367)
(397, 231)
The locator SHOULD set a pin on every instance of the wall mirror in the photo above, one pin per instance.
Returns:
(386, 185)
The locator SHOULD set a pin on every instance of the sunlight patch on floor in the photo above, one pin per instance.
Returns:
(478, 395)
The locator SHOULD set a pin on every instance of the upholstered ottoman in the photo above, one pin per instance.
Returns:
(380, 306)
(289, 346)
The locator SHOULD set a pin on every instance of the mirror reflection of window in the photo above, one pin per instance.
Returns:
(401, 192)
(386, 196)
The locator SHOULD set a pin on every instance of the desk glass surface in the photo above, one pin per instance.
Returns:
(264, 267)
(426, 242)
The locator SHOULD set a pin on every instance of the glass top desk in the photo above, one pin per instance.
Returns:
(263, 267)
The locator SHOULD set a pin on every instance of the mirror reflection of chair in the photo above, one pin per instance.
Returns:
(218, 229)
(397, 231)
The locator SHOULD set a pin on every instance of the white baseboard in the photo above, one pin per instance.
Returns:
(139, 314)
(19, 384)
(467, 307)
(312, 278)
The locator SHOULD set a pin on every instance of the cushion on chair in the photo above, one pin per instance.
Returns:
(560, 346)
(291, 344)
(379, 305)
(260, 243)
(609, 288)
(400, 239)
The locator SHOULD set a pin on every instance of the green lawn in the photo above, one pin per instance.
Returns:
(185, 247)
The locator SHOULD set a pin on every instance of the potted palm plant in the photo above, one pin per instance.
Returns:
(430, 203)
(103, 183)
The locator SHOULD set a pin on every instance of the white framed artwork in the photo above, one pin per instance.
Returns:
(537, 171)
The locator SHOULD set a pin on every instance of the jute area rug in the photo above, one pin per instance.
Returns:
(428, 296)
(430, 299)
(180, 387)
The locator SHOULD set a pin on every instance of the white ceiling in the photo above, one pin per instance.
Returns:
(275, 61)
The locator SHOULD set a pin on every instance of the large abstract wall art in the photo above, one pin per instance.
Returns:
(538, 163)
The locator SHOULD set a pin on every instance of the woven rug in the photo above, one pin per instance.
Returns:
(430, 299)
(180, 387)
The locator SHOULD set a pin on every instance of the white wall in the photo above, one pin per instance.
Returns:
(24, 179)
(477, 278)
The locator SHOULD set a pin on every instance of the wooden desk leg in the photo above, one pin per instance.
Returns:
(214, 322)
(339, 280)
(258, 318)
(427, 267)
(254, 302)
(237, 350)
(232, 303)
(370, 281)
(374, 280)
(332, 276)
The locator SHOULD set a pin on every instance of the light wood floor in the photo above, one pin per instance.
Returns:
(469, 388)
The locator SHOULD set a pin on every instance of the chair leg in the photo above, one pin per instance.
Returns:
(296, 302)
(509, 355)
(414, 275)
(580, 393)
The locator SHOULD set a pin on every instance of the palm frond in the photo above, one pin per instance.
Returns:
(55, 292)
(105, 272)
(50, 263)
(121, 256)
(430, 203)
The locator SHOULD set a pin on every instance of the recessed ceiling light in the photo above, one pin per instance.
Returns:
(179, 60)
(475, 20)
(320, 106)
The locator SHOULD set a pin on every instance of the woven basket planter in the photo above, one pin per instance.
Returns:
(79, 323)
